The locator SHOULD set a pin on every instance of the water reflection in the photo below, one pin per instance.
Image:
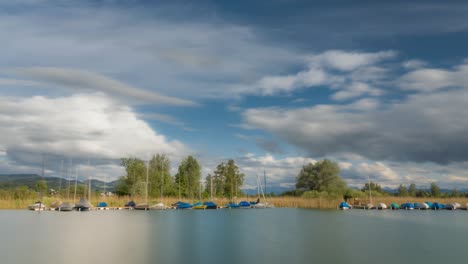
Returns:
(232, 236)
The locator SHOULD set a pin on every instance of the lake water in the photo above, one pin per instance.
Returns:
(234, 236)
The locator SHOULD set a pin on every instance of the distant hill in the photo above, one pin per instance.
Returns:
(9, 181)
(272, 189)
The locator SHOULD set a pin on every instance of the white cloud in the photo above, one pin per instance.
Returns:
(348, 61)
(81, 125)
(357, 73)
(429, 80)
(356, 90)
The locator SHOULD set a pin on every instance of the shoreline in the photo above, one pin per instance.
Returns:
(279, 202)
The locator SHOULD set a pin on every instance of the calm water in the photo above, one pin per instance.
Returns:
(234, 236)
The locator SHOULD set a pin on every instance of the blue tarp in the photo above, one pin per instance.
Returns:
(344, 205)
(429, 204)
(182, 205)
(244, 204)
(131, 204)
(102, 204)
(232, 205)
(407, 206)
(197, 204)
(210, 204)
(437, 206)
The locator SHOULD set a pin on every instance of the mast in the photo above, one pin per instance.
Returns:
(69, 172)
(211, 187)
(61, 176)
(264, 181)
(147, 178)
(76, 181)
(370, 192)
(89, 183)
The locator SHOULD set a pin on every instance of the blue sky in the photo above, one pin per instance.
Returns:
(379, 87)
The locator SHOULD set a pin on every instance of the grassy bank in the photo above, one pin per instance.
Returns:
(291, 202)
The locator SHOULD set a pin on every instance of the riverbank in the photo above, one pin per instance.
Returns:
(289, 202)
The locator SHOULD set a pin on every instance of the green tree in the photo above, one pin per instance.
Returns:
(435, 190)
(160, 176)
(374, 187)
(412, 190)
(188, 177)
(402, 191)
(136, 175)
(455, 193)
(227, 180)
(121, 187)
(41, 187)
(321, 176)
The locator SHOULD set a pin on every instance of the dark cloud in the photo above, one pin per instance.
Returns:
(424, 127)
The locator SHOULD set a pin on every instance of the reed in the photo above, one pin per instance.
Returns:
(290, 202)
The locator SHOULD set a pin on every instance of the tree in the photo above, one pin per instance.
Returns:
(374, 187)
(412, 190)
(41, 186)
(402, 191)
(136, 175)
(121, 187)
(321, 176)
(188, 177)
(435, 190)
(160, 180)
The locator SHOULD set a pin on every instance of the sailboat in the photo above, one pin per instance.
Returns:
(39, 206)
(210, 204)
(260, 192)
(83, 204)
(67, 206)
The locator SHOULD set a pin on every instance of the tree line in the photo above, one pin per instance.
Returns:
(225, 181)
(322, 179)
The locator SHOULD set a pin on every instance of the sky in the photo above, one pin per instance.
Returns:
(379, 87)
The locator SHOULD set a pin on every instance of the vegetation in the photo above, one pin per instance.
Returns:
(321, 179)
(227, 180)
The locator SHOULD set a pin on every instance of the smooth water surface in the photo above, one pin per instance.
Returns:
(234, 236)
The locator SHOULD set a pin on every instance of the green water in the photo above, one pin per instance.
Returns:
(234, 236)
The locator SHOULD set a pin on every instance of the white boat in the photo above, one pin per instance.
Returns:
(259, 206)
(381, 206)
(38, 206)
(158, 206)
(422, 206)
(452, 206)
(370, 206)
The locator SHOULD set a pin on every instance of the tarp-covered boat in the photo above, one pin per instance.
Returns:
(232, 205)
(141, 206)
(210, 205)
(66, 207)
(102, 204)
(452, 206)
(130, 204)
(394, 206)
(344, 206)
(421, 206)
(199, 206)
(182, 205)
(407, 206)
(83, 205)
(245, 204)
(381, 206)
(158, 206)
(37, 206)
(437, 206)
